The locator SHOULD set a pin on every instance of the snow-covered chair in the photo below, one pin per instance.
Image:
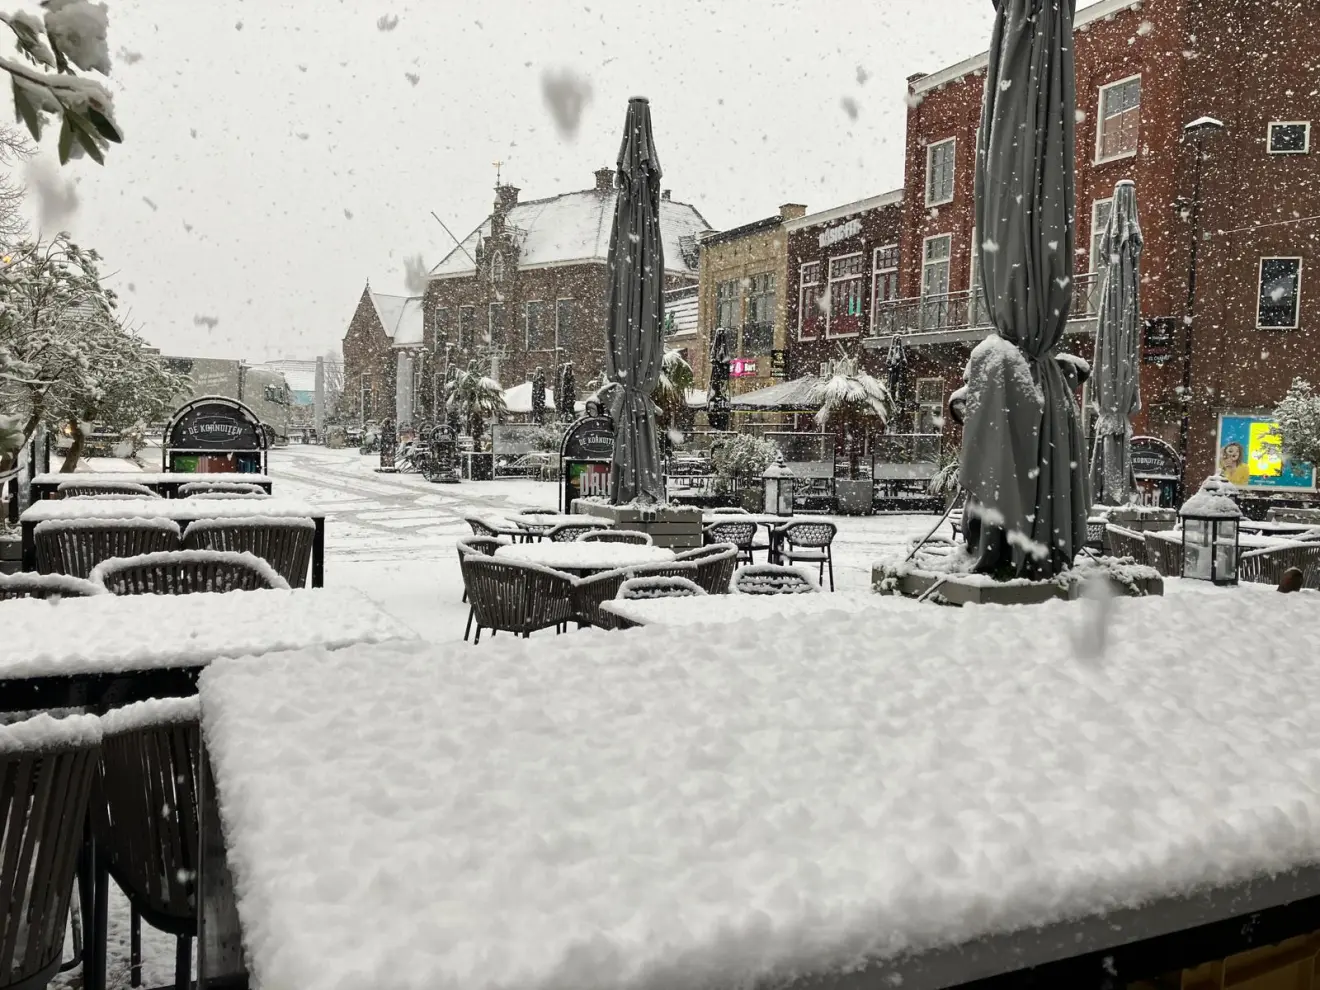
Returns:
(715, 564)
(1267, 565)
(1123, 542)
(590, 592)
(773, 579)
(808, 542)
(229, 487)
(31, 585)
(475, 544)
(740, 532)
(122, 489)
(515, 596)
(144, 820)
(615, 536)
(567, 532)
(186, 572)
(47, 766)
(284, 543)
(1164, 555)
(660, 586)
(76, 546)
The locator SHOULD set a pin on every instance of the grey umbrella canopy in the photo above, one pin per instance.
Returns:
(717, 398)
(897, 366)
(1117, 361)
(634, 329)
(1023, 457)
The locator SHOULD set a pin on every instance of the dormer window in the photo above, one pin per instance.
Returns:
(497, 267)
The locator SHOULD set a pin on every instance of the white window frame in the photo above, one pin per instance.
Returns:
(1269, 136)
(925, 406)
(859, 277)
(527, 329)
(977, 314)
(1260, 274)
(1095, 218)
(802, 305)
(946, 261)
(953, 170)
(559, 346)
(1100, 119)
(876, 272)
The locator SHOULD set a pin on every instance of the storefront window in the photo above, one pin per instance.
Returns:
(847, 286)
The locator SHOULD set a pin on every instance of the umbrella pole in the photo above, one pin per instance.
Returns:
(936, 527)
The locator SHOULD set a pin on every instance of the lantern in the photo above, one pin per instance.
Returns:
(778, 484)
(1210, 537)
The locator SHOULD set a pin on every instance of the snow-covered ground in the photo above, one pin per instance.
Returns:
(391, 537)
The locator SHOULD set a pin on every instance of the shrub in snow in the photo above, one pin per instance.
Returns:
(1298, 416)
(854, 403)
(475, 399)
(670, 394)
(741, 460)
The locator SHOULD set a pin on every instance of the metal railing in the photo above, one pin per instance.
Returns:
(967, 310)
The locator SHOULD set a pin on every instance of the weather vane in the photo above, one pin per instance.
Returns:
(497, 165)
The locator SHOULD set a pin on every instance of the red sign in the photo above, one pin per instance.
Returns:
(742, 368)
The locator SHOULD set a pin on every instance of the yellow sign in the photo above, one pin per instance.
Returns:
(1265, 451)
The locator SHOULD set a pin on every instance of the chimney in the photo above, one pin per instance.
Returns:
(506, 198)
(914, 77)
(791, 211)
(665, 193)
(604, 180)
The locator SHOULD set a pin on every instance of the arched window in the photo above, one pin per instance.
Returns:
(497, 267)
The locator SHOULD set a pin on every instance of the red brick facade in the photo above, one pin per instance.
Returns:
(369, 365)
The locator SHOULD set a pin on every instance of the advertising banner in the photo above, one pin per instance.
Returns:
(1250, 455)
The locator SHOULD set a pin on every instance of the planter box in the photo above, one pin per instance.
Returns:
(11, 554)
(1303, 516)
(1144, 519)
(854, 498)
(677, 527)
(967, 590)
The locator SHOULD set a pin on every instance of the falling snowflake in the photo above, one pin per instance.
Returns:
(565, 95)
(388, 22)
(989, 246)
(348, 213)
(150, 203)
(412, 77)
(862, 76)
(128, 57)
(1145, 28)
(1004, 85)
(849, 107)
(205, 321)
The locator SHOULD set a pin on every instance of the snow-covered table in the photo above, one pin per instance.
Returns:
(111, 650)
(579, 558)
(915, 797)
(181, 510)
(164, 482)
(750, 609)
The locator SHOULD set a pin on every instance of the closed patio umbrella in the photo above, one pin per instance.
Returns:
(717, 401)
(1117, 340)
(635, 318)
(897, 366)
(1023, 456)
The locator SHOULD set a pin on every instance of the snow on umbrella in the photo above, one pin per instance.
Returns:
(634, 328)
(1023, 456)
(1117, 362)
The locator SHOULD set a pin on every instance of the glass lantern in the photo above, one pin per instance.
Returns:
(778, 482)
(1210, 548)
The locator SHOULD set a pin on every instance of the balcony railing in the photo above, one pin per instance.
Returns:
(967, 310)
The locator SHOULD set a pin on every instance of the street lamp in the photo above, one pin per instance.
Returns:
(1198, 130)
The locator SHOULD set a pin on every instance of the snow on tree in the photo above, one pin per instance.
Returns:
(1298, 416)
(670, 394)
(72, 35)
(855, 403)
(741, 460)
(475, 399)
(568, 388)
(538, 396)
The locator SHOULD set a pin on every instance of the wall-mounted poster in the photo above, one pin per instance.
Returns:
(1250, 455)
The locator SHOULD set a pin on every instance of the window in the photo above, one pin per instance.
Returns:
(759, 331)
(728, 296)
(564, 323)
(939, 172)
(1120, 117)
(537, 329)
(497, 267)
(1289, 137)
(978, 314)
(808, 301)
(935, 280)
(495, 324)
(847, 284)
(1100, 211)
(364, 397)
(442, 329)
(930, 406)
(467, 326)
(1280, 293)
(884, 283)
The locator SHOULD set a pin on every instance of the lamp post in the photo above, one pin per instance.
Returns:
(1196, 131)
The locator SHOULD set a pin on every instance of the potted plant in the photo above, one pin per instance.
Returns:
(857, 405)
(739, 463)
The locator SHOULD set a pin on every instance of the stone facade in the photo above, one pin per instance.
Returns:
(369, 365)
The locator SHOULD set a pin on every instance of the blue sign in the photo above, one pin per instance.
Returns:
(1250, 455)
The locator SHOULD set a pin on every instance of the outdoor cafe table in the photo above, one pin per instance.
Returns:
(578, 557)
(751, 609)
(923, 798)
(164, 483)
(181, 510)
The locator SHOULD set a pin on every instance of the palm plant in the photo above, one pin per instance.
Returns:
(476, 399)
(855, 403)
(670, 394)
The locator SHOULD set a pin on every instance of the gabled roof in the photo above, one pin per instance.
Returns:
(575, 227)
(401, 316)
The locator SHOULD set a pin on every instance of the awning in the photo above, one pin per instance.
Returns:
(794, 396)
(519, 398)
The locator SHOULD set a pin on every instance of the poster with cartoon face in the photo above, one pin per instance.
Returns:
(1250, 455)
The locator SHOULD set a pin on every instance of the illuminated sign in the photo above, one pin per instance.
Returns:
(1250, 455)
(742, 368)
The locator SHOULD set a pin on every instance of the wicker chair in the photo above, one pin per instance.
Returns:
(660, 587)
(256, 496)
(46, 771)
(615, 536)
(75, 546)
(590, 592)
(715, 566)
(144, 819)
(512, 596)
(480, 527)
(742, 534)
(45, 586)
(567, 532)
(1095, 533)
(1122, 542)
(186, 572)
(1266, 566)
(1164, 555)
(728, 511)
(475, 544)
(77, 489)
(773, 579)
(286, 544)
(228, 487)
(808, 543)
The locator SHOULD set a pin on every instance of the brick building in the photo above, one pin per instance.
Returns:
(742, 279)
(382, 347)
(1145, 70)
(527, 288)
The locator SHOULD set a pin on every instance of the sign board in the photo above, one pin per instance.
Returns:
(779, 364)
(1157, 336)
(584, 459)
(742, 367)
(1250, 455)
(1154, 459)
(215, 434)
(842, 232)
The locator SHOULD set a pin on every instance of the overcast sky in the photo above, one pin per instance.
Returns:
(279, 154)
